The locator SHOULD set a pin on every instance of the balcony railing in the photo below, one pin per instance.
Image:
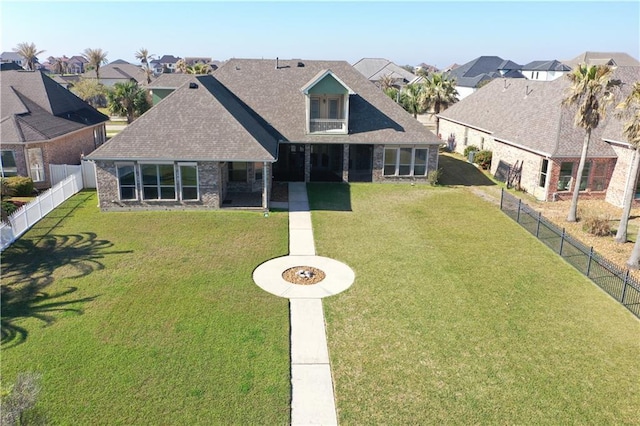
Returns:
(325, 125)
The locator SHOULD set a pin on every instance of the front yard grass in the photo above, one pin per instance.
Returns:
(148, 317)
(459, 316)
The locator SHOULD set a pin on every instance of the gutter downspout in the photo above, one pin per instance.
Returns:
(265, 182)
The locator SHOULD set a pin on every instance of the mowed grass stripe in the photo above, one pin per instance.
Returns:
(459, 316)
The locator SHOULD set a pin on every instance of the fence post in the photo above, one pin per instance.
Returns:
(561, 241)
(538, 225)
(518, 216)
(501, 197)
(624, 286)
(589, 261)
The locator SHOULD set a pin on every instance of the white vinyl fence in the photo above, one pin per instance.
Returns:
(59, 172)
(26, 216)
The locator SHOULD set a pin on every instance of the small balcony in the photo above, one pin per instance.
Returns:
(327, 125)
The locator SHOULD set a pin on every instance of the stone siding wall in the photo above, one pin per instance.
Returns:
(453, 136)
(517, 161)
(617, 185)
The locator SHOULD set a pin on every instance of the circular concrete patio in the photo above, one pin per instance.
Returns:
(268, 276)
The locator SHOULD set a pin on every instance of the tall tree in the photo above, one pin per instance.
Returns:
(60, 65)
(630, 108)
(412, 100)
(439, 93)
(199, 68)
(95, 58)
(91, 91)
(144, 57)
(591, 93)
(29, 52)
(128, 99)
(181, 66)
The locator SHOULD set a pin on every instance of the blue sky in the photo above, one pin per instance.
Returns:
(438, 33)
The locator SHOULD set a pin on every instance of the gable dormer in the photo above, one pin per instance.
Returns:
(327, 104)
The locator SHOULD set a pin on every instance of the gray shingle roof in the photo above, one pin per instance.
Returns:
(170, 81)
(529, 114)
(545, 66)
(600, 58)
(36, 108)
(118, 70)
(483, 68)
(206, 123)
(275, 95)
(614, 125)
(376, 68)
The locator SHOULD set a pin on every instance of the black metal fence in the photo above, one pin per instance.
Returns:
(609, 277)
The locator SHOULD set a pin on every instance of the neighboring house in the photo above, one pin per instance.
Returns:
(156, 66)
(8, 66)
(16, 58)
(192, 60)
(43, 123)
(167, 63)
(535, 144)
(76, 64)
(162, 86)
(118, 71)
(375, 69)
(544, 70)
(231, 133)
(615, 59)
(478, 72)
(430, 69)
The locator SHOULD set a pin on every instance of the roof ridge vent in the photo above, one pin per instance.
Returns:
(193, 85)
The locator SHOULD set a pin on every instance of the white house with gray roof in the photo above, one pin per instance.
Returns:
(535, 144)
(476, 73)
(255, 121)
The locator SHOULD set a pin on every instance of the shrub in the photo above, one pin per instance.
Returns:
(20, 186)
(468, 149)
(483, 159)
(8, 208)
(20, 399)
(433, 176)
(598, 226)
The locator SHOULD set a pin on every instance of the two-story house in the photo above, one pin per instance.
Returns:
(255, 121)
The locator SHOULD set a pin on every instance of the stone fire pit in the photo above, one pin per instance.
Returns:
(303, 275)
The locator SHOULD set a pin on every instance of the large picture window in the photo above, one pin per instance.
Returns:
(543, 173)
(127, 181)
(566, 174)
(584, 179)
(158, 182)
(599, 177)
(403, 161)
(8, 164)
(36, 164)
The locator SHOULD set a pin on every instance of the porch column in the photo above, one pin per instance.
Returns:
(307, 162)
(266, 179)
(345, 163)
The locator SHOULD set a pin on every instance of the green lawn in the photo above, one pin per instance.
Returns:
(148, 317)
(459, 316)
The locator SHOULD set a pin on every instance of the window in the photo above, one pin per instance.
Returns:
(405, 161)
(158, 182)
(599, 177)
(481, 144)
(334, 108)
(127, 181)
(390, 160)
(257, 171)
(315, 108)
(36, 164)
(466, 136)
(584, 179)
(8, 164)
(566, 173)
(238, 172)
(99, 135)
(543, 173)
(188, 181)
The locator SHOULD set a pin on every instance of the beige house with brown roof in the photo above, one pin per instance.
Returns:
(534, 142)
(255, 121)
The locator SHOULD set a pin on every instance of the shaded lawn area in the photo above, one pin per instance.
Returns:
(148, 317)
(459, 316)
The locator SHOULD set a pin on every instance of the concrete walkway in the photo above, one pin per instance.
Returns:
(312, 396)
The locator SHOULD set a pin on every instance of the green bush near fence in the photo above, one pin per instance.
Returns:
(20, 186)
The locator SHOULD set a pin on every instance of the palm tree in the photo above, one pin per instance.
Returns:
(411, 99)
(591, 92)
(439, 93)
(631, 129)
(29, 52)
(199, 68)
(128, 99)
(60, 65)
(181, 66)
(144, 57)
(95, 58)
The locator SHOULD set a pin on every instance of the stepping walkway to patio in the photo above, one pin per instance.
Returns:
(312, 400)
